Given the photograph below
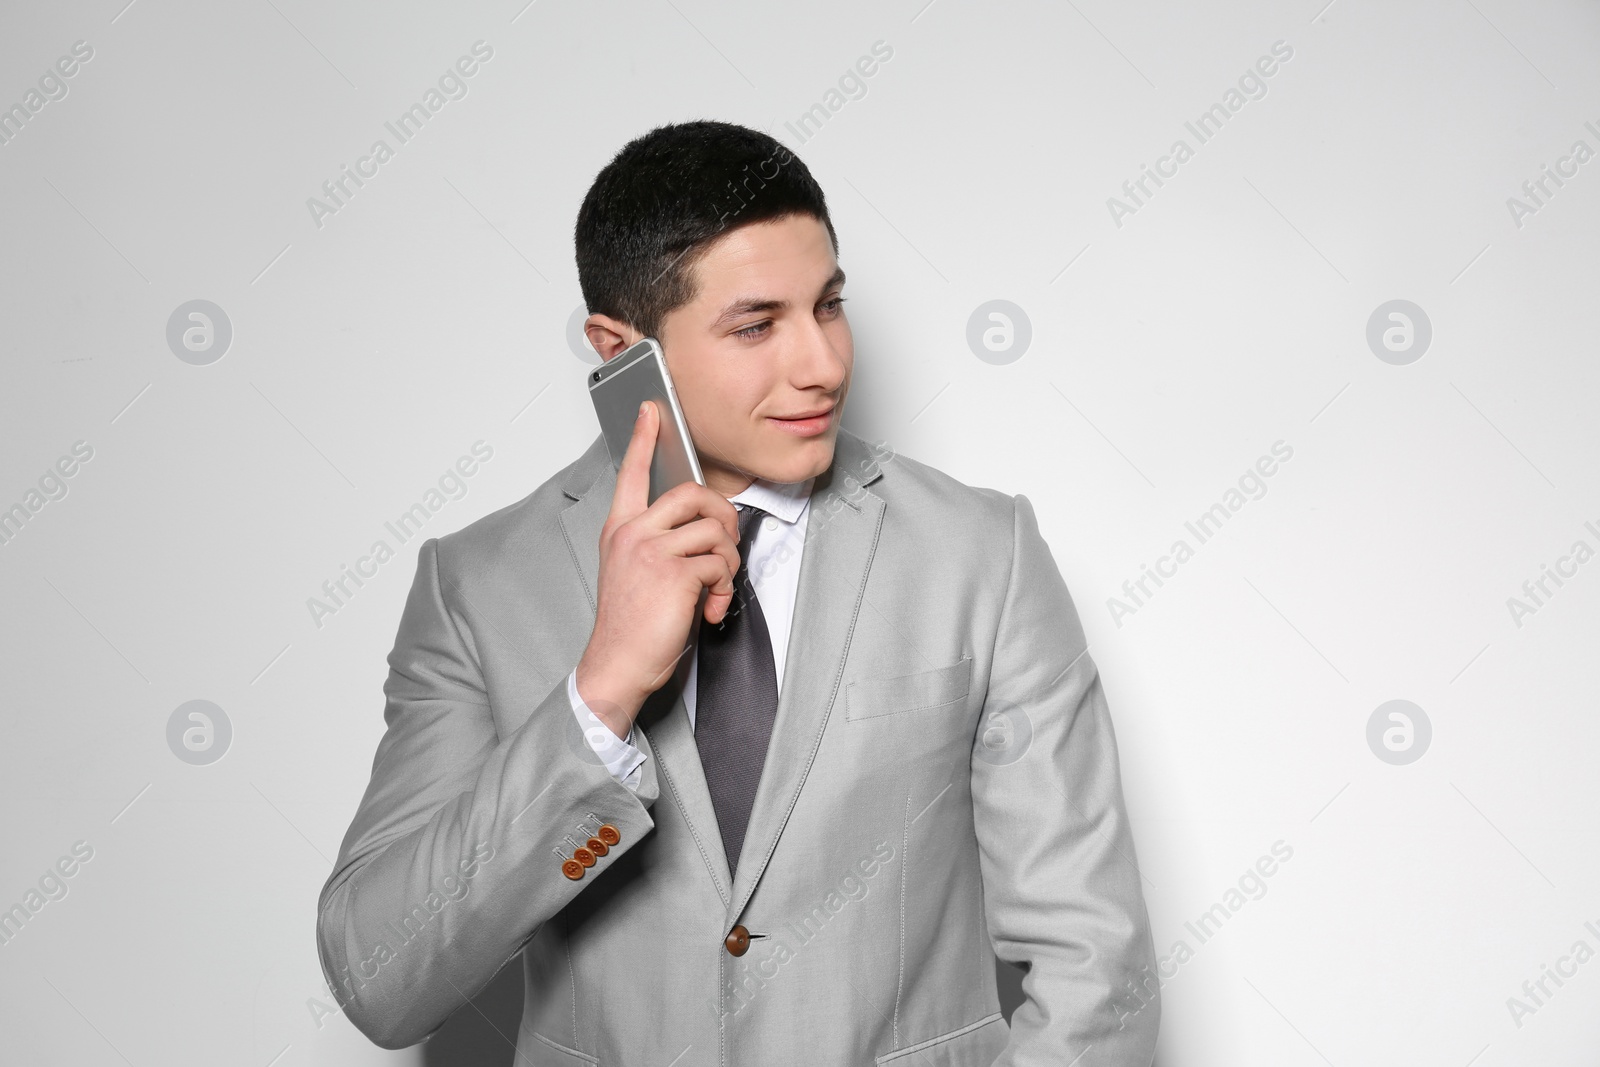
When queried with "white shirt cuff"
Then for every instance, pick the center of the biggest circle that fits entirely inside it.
(620, 756)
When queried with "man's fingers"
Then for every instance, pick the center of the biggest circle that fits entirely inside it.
(632, 494)
(711, 571)
(717, 606)
(686, 501)
(703, 535)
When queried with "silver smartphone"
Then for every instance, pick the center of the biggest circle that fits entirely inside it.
(618, 387)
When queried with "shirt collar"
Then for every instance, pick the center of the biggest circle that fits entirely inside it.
(782, 500)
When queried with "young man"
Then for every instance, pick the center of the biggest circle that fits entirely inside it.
(793, 822)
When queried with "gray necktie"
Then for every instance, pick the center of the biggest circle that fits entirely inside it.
(736, 699)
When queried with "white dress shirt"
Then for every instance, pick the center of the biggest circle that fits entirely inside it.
(774, 569)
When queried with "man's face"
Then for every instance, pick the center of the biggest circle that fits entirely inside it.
(765, 339)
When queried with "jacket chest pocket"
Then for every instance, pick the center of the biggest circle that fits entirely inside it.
(942, 687)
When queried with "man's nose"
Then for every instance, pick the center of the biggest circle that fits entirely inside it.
(816, 362)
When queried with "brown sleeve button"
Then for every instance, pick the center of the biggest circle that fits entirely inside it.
(737, 941)
(583, 856)
(597, 846)
(572, 869)
(609, 834)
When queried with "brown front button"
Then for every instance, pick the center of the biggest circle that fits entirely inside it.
(572, 869)
(609, 834)
(583, 856)
(738, 941)
(597, 846)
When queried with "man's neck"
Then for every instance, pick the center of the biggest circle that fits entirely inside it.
(730, 491)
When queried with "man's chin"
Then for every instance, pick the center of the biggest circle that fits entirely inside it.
(795, 460)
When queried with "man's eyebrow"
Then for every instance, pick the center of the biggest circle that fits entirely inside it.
(749, 305)
(746, 306)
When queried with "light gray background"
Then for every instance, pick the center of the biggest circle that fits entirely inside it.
(1167, 354)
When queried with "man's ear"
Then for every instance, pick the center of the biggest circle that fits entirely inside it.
(608, 335)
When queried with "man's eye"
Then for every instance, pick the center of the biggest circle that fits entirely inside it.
(830, 307)
(752, 331)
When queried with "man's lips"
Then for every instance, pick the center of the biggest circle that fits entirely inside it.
(805, 424)
(805, 414)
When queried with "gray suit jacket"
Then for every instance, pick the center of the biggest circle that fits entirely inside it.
(942, 787)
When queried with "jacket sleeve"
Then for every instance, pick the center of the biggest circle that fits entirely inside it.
(1061, 886)
(456, 854)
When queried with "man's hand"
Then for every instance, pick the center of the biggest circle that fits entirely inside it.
(655, 561)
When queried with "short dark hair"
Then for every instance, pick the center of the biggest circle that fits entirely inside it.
(665, 197)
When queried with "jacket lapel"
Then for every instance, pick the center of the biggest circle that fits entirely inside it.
(841, 535)
(842, 530)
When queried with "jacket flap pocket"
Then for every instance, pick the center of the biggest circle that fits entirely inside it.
(546, 1047)
(871, 697)
(973, 1043)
